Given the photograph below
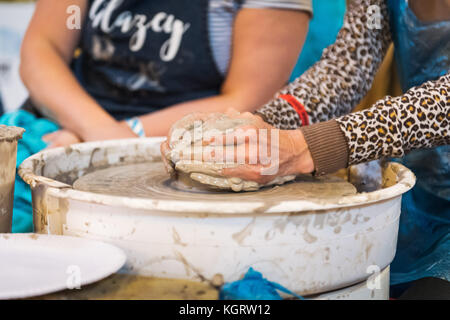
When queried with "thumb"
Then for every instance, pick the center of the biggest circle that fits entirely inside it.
(50, 136)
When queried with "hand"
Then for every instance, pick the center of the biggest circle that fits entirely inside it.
(61, 138)
(287, 151)
(185, 123)
(188, 121)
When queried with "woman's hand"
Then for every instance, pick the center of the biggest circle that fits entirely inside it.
(61, 138)
(181, 124)
(261, 151)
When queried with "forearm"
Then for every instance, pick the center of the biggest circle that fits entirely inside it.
(335, 85)
(392, 127)
(56, 91)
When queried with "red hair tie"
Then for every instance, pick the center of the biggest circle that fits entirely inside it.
(300, 108)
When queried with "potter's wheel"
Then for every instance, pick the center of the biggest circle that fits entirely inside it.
(150, 180)
(293, 234)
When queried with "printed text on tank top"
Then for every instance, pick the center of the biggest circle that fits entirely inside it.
(100, 15)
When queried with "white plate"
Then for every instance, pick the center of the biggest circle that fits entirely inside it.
(33, 265)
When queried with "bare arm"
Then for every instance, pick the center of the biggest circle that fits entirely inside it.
(266, 46)
(47, 50)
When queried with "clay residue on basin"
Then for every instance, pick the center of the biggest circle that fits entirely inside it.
(8, 151)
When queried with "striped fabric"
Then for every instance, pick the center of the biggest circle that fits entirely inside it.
(136, 126)
(221, 16)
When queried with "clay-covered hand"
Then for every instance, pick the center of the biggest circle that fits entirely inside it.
(187, 123)
(60, 138)
(260, 151)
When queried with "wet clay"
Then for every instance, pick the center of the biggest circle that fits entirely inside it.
(209, 174)
(186, 138)
(6, 206)
(150, 180)
(10, 134)
(8, 152)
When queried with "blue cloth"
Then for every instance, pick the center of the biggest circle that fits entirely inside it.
(253, 287)
(30, 144)
(423, 249)
(323, 29)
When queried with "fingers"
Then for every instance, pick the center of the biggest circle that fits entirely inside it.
(232, 112)
(246, 145)
(247, 115)
(60, 138)
(243, 153)
(249, 173)
(244, 134)
(53, 145)
(50, 136)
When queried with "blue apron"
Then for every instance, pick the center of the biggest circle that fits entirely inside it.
(422, 52)
(142, 56)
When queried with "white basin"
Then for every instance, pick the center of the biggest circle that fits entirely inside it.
(308, 246)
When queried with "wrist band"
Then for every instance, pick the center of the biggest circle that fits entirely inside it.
(136, 126)
(300, 108)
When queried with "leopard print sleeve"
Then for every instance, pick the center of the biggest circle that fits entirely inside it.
(337, 83)
(393, 126)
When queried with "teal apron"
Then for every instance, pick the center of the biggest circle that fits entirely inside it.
(422, 53)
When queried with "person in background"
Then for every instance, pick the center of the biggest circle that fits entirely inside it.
(143, 65)
(317, 135)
